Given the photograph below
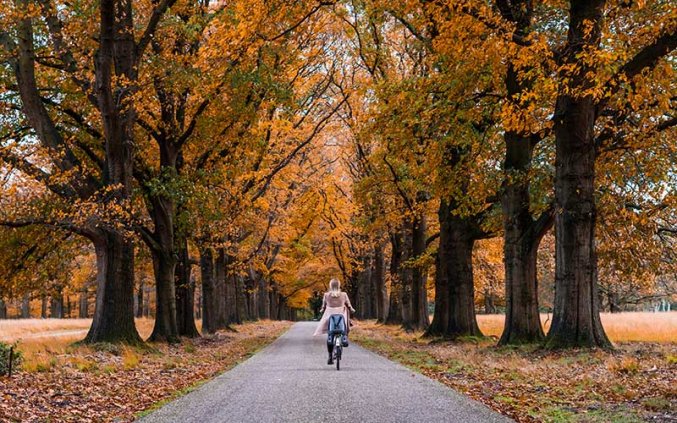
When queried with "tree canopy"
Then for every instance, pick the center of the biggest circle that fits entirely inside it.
(420, 151)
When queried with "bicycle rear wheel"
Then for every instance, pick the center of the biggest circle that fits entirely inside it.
(338, 349)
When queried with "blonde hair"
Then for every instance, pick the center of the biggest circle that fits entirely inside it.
(334, 288)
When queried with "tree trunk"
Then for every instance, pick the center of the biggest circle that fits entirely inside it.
(282, 308)
(114, 311)
(264, 298)
(576, 321)
(146, 302)
(364, 291)
(522, 235)
(419, 294)
(139, 298)
(83, 304)
(489, 305)
(454, 286)
(406, 276)
(251, 292)
(378, 284)
(26, 306)
(185, 294)
(614, 303)
(56, 305)
(166, 327)
(209, 301)
(113, 319)
(3, 309)
(231, 292)
(395, 305)
(43, 307)
(221, 278)
(274, 304)
(241, 299)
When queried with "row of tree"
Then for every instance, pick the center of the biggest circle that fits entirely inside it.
(508, 118)
(184, 125)
(275, 144)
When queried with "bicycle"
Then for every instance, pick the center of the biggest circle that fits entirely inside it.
(338, 350)
(336, 336)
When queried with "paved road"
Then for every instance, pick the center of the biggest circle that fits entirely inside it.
(289, 381)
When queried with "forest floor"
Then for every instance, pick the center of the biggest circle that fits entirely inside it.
(112, 383)
(634, 383)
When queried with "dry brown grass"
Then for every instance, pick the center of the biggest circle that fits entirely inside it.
(41, 339)
(14, 329)
(25, 329)
(620, 327)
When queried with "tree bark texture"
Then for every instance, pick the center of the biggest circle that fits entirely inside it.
(576, 321)
(454, 286)
(209, 300)
(113, 319)
(379, 285)
(185, 294)
(394, 316)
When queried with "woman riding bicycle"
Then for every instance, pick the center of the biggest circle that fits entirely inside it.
(334, 302)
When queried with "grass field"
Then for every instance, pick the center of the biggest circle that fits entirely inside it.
(620, 327)
(40, 339)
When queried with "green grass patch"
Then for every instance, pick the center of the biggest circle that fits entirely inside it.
(657, 404)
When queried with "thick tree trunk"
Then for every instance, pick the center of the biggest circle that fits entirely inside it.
(165, 328)
(113, 319)
(282, 308)
(3, 309)
(209, 300)
(522, 235)
(232, 302)
(522, 320)
(364, 291)
(379, 285)
(264, 298)
(406, 274)
(114, 311)
(454, 286)
(241, 299)
(274, 304)
(185, 294)
(220, 289)
(419, 294)
(576, 321)
(395, 304)
(252, 296)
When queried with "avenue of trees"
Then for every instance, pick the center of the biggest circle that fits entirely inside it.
(235, 155)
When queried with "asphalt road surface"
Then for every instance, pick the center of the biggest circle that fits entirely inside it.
(290, 381)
